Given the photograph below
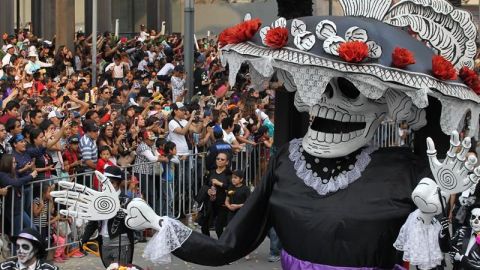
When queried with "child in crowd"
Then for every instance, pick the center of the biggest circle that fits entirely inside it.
(170, 150)
(237, 194)
(133, 191)
(103, 162)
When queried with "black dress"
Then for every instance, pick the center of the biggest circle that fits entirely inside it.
(354, 227)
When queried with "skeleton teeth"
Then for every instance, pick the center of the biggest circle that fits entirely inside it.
(359, 132)
(321, 136)
(354, 118)
(315, 110)
(338, 116)
(329, 137)
(363, 118)
(345, 137)
(330, 114)
(323, 112)
(313, 134)
(346, 118)
(353, 135)
(337, 138)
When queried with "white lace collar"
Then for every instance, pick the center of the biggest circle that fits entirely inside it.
(324, 186)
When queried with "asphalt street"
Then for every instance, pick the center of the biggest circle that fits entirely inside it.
(258, 261)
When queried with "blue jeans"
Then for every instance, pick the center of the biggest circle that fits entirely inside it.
(18, 225)
(275, 245)
(167, 199)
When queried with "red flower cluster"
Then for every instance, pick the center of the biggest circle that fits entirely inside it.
(277, 37)
(353, 51)
(240, 32)
(470, 78)
(123, 40)
(443, 69)
(402, 57)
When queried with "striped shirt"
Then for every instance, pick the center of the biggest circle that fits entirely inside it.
(42, 219)
(88, 149)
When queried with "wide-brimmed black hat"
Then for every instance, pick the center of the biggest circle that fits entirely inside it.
(305, 53)
(33, 236)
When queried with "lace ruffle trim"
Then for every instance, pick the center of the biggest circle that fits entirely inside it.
(334, 183)
(172, 236)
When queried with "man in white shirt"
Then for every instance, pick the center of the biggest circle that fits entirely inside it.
(164, 73)
(228, 136)
(178, 128)
(118, 68)
(10, 51)
(178, 84)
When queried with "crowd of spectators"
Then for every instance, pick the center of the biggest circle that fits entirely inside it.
(56, 122)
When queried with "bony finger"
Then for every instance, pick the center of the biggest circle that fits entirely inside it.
(470, 163)
(466, 144)
(432, 153)
(69, 213)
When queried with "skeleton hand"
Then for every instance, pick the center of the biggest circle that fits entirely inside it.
(141, 216)
(451, 175)
(89, 204)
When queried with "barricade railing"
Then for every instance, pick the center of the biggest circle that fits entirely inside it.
(169, 188)
(387, 135)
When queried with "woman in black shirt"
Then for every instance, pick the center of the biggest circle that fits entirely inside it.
(215, 210)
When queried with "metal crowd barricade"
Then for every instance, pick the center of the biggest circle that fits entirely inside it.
(387, 135)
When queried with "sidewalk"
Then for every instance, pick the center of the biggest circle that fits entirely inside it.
(258, 261)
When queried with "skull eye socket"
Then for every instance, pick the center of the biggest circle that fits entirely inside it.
(347, 88)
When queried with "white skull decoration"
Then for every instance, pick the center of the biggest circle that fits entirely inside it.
(344, 120)
(25, 250)
(475, 220)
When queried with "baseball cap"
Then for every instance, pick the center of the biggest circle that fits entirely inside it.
(56, 114)
(73, 139)
(148, 135)
(179, 68)
(114, 173)
(17, 138)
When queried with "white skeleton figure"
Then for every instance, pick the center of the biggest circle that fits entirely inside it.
(475, 220)
(25, 252)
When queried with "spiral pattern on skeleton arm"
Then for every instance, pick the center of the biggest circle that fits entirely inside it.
(104, 205)
(446, 178)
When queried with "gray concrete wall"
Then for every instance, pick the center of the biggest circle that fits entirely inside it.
(221, 14)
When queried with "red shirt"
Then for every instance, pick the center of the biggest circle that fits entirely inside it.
(70, 156)
(101, 168)
(4, 118)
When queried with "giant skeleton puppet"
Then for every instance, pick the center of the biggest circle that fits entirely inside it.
(333, 200)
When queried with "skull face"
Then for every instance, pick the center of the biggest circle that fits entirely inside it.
(343, 121)
(475, 220)
(25, 250)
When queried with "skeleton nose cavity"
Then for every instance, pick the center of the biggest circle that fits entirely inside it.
(347, 88)
(328, 93)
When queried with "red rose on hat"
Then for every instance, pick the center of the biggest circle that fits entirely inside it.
(443, 69)
(353, 51)
(277, 37)
(470, 78)
(402, 57)
(240, 32)
(468, 75)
